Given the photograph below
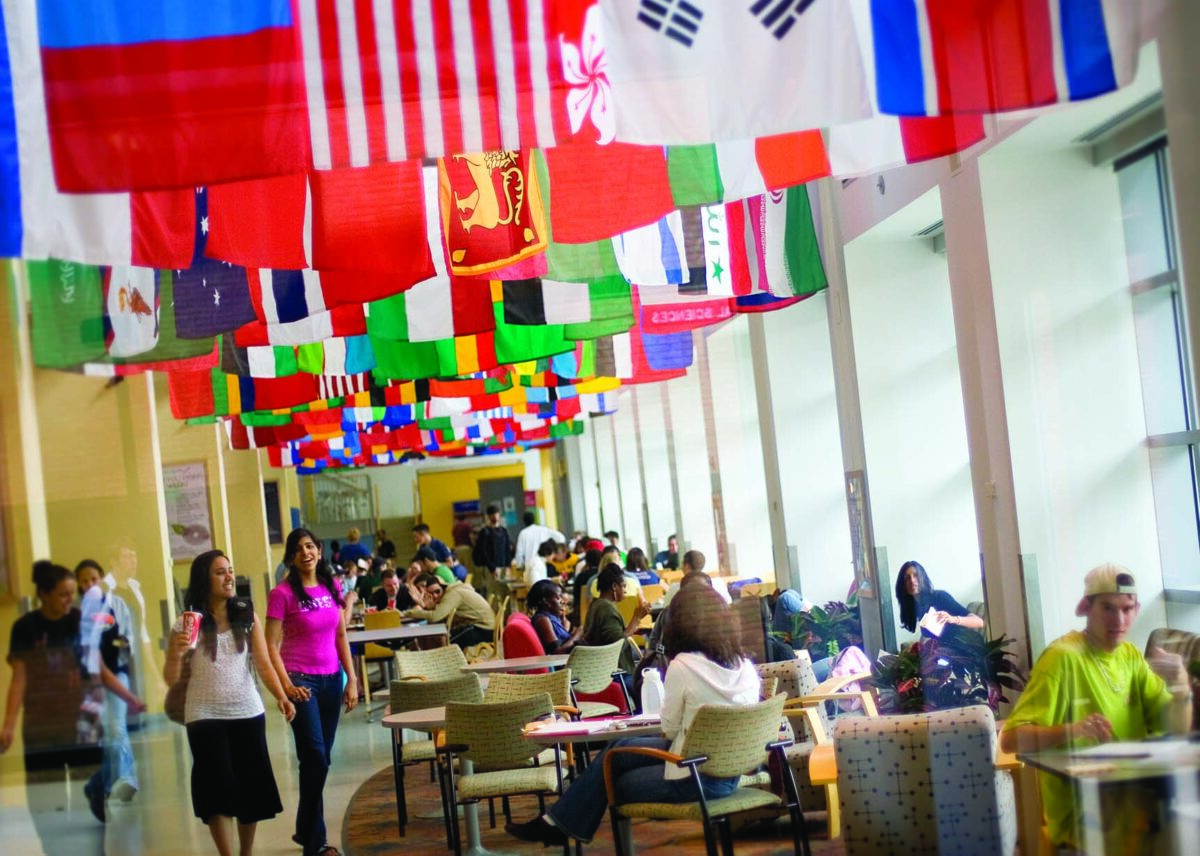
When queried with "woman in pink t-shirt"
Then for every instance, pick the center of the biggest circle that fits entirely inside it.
(306, 633)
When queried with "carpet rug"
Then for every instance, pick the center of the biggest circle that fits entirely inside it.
(369, 827)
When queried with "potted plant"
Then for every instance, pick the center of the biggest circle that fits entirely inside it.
(825, 631)
(952, 671)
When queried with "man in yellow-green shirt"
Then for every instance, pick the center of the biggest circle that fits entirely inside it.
(1093, 687)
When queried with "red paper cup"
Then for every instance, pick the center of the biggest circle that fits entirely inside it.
(191, 626)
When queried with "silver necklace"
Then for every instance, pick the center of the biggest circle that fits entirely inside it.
(1113, 685)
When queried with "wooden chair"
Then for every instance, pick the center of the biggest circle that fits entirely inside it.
(654, 592)
(668, 578)
(380, 655)
(491, 737)
(722, 741)
(417, 694)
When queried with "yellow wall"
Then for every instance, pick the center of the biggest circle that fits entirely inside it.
(289, 498)
(548, 496)
(438, 490)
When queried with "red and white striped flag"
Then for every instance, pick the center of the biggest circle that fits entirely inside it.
(392, 80)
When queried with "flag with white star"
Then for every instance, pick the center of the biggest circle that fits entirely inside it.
(211, 296)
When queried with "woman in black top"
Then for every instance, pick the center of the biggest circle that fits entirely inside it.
(917, 596)
(48, 681)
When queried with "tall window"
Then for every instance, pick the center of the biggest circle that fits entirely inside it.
(1163, 352)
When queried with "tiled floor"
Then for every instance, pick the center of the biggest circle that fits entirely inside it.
(159, 820)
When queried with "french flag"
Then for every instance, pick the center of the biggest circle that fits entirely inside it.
(935, 57)
(145, 95)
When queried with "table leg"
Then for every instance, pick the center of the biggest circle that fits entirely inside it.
(471, 816)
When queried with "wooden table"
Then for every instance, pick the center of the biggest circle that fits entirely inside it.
(518, 664)
(389, 634)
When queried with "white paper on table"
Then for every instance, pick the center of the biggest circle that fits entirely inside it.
(1163, 750)
(931, 624)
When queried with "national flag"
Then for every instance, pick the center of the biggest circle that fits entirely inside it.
(291, 309)
(39, 222)
(438, 308)
(538, 302)
(773, 245)
(693, 71)
(412, 79)
(169, 352)
(130, 310)
(491, 210)
(516, 343)
(142, 96)
(882, 142)
(368, 219)
(67, 309)
(941, 58)
(443, 358)
(211, 297)
(600, 191)
(259, 360)
(654, 254)
(215, 393)
(350, 355)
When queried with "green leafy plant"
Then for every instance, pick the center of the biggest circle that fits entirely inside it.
(956, 670)
(826, 630)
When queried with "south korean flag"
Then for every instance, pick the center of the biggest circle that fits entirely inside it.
(699, 71)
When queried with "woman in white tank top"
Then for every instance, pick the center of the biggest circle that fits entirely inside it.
(226, 721)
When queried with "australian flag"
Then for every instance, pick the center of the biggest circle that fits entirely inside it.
(211, 296)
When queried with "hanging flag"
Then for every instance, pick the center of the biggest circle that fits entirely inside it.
(773, 245)
(130, 310)
(211, 297)
(540, 302)
(409, 79)
(600, 191)
(338, 356)
(941, 58)
(139, 98)
(491, 210)
(66, 303)
(258, 361)
(693, 71)
(369, 219)
(654, 254)
(439, 308)
(39, 222)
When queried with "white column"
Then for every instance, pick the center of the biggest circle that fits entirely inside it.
(785, 575)
(983, 404)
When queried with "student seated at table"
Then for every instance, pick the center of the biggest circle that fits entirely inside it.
(1092, 687)
(605, 624)
(707, 666)
(545, 604)
(637, 564)
(563, 562)
(474, 621)
(390, 594)
(432, 565)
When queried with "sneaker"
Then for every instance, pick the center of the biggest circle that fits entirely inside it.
(124, 790)
(95, 798)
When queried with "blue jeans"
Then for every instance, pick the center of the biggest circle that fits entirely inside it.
(313, 730)
(118, 753)
(638, 779)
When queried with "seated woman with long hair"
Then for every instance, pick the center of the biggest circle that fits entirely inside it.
(707, 666)
(916, 596)
(549, 616)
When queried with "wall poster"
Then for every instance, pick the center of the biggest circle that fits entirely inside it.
(189, 521)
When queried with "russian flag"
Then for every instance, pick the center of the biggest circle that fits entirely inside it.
(144, 95)
(935, 57)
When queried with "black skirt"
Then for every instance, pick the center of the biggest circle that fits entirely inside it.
(231, 770)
